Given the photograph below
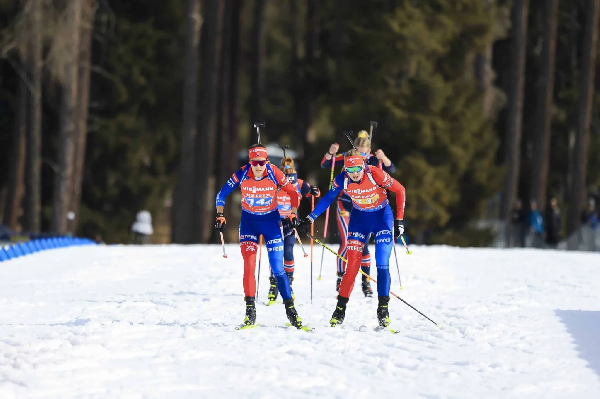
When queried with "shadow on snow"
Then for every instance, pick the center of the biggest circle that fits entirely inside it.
(584, 327)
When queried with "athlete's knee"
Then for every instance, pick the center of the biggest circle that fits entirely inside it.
(288, 265)
(248, 248)
(278, 273)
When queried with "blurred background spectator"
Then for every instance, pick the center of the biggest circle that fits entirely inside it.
(142, 229)
(535, 226)
(553, 224)
(518, 222)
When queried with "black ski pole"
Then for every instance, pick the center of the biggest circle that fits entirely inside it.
(257, 126)
(397, 267)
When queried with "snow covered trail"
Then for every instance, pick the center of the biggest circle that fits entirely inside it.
(159, 322)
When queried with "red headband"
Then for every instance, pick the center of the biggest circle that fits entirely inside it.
(354, 160)
(257, 152)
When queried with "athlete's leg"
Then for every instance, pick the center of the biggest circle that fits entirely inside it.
(365, 264)
(273, 233)
(288, 250)
(358, 231)
(384, 241)
(249, 246)
(342, 217)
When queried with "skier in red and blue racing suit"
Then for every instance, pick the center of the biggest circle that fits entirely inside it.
(259, 182)
(371, 214)
(344, 204)
(284, 205)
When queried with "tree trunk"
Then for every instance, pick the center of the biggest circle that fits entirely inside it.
(234, 99)
(484, 74)
(586, 92)
(222, 170)
(85, 68)
(515, 107)
(68, 120)
(309, 75)
(16, 183)
(205, 143)
(297, 92)
(33, 171)
(257, 75)
(183, 204)
(545, 97)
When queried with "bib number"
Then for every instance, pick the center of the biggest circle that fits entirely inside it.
(259, 201)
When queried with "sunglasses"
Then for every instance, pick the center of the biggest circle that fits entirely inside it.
(256, 163)
(354, 169)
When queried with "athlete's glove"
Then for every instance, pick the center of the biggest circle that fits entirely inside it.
(398, 228)
(315, 192)
(220, 222)
(304, 225)
(291, 222)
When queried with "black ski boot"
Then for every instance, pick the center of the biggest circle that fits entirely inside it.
(250, 311)
(339, 281)
(290, 276)
(383, 314)
(291, 313)
(273, 291)
(366, 287)
(339, 314)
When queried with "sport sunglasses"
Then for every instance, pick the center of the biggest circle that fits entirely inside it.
(354, 169)
(256, 163)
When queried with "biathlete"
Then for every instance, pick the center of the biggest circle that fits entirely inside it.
(259, 182)
(284, 205)
(371, 214)
(344, 204)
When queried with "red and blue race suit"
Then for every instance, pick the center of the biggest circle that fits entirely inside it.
(371, 214)
(343, 207)
(261, 216)
(284, 204)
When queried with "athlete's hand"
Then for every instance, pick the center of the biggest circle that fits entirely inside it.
(398, 228)
(333, 149)
(315, 192)
(304, 225)
(291, 221)
(220, 222)
(380, 155)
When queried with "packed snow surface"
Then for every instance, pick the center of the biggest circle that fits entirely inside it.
(159, 322)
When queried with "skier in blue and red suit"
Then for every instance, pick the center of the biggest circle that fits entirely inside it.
(284, 204)
(344, 204)
(371, 214)
(259, 181)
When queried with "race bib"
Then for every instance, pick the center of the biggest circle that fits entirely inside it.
(259, 201)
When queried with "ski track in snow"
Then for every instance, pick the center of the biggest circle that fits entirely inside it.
(159, 322)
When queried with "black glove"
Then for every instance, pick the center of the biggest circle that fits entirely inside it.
(220, 222)
(290, 222)
(315, 192)
(398, 228)
(304, 225)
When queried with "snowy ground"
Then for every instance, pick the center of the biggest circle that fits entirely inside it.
(158, 322)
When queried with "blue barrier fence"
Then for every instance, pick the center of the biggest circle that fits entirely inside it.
(42, 244)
